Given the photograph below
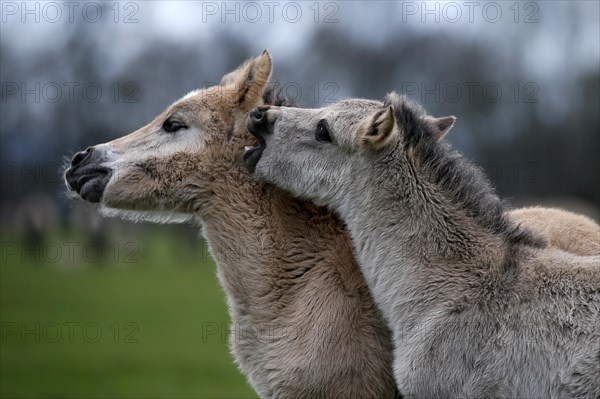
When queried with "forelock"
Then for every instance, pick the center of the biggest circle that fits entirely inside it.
(409, 118)
(273, 96)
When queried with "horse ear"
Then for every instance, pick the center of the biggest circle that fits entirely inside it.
(440, 126)
(379, 129)
(246, 85)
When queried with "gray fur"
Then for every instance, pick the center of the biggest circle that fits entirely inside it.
(478, 306)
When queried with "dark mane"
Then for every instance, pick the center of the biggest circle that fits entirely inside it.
(275, 96)
(462, 180)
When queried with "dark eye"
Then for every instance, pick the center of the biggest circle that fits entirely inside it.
(171, 125)
(322, 133)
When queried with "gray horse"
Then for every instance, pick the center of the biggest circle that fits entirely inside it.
(478, 306)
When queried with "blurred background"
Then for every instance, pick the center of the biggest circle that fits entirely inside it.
(94, 307)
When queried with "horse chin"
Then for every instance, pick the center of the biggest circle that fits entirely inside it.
(93, 189)
(152, 216)
(89, 182)
(251, 157)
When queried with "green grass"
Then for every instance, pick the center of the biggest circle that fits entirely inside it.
(166, 297)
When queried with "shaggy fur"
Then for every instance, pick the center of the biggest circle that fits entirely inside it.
(304, 323)
(460, 180)
(478, 305)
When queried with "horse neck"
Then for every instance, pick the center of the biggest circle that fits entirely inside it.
(410, 237)
(237, 226)
(254, 232)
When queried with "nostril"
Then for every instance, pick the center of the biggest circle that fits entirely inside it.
(256, 114)
(81, 156)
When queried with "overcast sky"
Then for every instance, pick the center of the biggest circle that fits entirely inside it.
(284, 27)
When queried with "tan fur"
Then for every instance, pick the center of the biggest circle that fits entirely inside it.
(564, 230)
(304, 323)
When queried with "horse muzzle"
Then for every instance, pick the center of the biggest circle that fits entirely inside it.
(86, 174)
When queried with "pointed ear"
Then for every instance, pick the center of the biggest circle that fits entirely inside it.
(246, 85)
(393, 99)
(378, 129)
(440, 126)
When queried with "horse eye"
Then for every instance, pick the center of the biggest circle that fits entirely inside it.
(172, 125)
(322, 132)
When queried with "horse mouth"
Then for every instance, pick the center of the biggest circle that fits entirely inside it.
(88, 181)
(252, 155)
